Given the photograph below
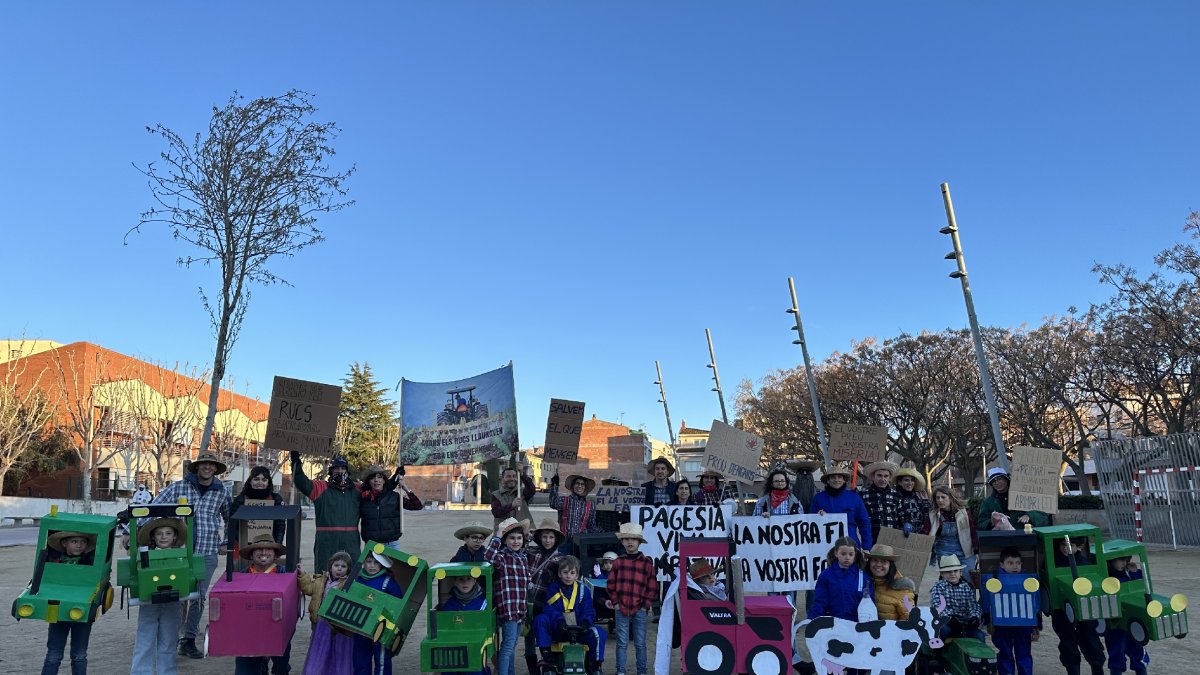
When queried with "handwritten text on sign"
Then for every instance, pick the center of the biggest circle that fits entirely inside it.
(1034, 480)
(733, 452)
(615, 497)
(303, 415)
(785, 553)
(563, 428)
(857, 443)
(662, 526)
(913, 550)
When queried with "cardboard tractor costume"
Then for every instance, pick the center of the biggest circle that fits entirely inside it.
(361, 609)
(255, 614)
(1009, 599)
(78, 591)
(1145, 615)
(159, 575)
(458, 641)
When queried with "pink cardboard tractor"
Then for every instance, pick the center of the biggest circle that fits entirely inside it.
(743, 635)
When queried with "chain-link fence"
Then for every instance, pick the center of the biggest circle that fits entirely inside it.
(1170, 501)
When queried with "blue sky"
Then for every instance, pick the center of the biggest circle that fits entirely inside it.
(584, 187)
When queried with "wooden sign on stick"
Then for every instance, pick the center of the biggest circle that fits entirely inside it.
(1034, 479)
(914, 551)
(733, 453)
(303, 416)
(857, 442)
(563, 429)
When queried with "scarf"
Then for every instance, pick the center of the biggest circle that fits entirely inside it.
(708, 488)
(340, 481)
(251, 493)
(779, 496)
(833, 492)
(466, 598)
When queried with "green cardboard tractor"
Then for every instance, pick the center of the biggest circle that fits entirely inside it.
(384, 618)
(458, 640)
(1144, 615)
(1084, 591)
(77, 593)
(161, 575)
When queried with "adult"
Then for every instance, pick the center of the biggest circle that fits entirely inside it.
(259, 488)
(713, 489)
(997, 502)
(210, 503)
(512, 499)
(660, 488)
(777, 499)
(683, 493)
(892, 589)
(805, 486)
(576, 513)
(379, 508)
(914, 507)
(881, 498)
(835, 498)
(336, 504)
(952, 527)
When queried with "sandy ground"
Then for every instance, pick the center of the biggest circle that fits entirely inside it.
(428, 535)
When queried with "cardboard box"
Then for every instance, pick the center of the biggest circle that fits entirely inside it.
(252, 615)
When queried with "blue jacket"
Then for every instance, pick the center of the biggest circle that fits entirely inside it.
(585, 612)
(839, 591)
(453, 604)
(382, 582)
(858, 523)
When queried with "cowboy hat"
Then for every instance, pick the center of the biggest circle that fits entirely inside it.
(508, 525)
(470, 529)
(371, 471)
(591, 484)
(870, 469)
(614, 480)
(995, 473)
(700, 568)
(208, 457)
(661, 460)
(949, 563)
(262, 541)
(145, 532)
(712, 473)
(548, 525)
(803, 464)
(54, 541)
(839, 469)
(882, 552)
(911, 473)
(609, 556)
(630, 531)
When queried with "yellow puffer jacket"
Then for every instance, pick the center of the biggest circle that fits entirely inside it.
(314, 585)
(890, 601)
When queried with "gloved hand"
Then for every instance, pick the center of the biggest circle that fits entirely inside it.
(554, 480)
(907, 529)
(295, 457)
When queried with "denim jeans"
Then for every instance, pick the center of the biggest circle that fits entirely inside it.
(639, 640)
(506, 659)
(56, 644)
(157, 630)
(194, 608)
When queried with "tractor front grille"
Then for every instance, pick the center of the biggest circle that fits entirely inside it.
(1172, 625)
(348, 612)
(445, 658)
(1015, 606)
(1099, 607)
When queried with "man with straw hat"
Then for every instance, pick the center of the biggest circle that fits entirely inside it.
(835, 498)
(914, 507)
(577, 514)
(881, 498)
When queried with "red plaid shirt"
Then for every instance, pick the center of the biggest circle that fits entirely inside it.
(632, 583)
(510, 580)
(547, 563)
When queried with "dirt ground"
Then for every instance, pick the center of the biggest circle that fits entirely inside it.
(428, 536)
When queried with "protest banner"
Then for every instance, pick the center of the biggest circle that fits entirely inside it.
(914, 551)
(1034, 479)
(857, 443)
(249, 530)
(563, 428)
(733, 453)
(662, 526)
(303, 416)
(459, 422)
(785, 553)
(614, 497)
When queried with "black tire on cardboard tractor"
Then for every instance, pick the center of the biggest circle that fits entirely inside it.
(708, 654)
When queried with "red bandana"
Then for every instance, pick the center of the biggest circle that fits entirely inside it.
(778, 497)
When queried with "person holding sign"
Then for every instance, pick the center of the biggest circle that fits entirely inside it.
(512, 499)
(259, 490)
(576, 514)
(881, 498)
(336, 504)
(660, 490)
(777, 499)
(997, 502)
(894, 593)
(379, 507)
(835, 498)
(683, 494)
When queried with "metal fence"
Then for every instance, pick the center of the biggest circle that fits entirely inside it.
(1170, 502)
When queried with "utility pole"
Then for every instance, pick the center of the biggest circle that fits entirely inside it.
(822, 439)
(712, 363)
(662, 394)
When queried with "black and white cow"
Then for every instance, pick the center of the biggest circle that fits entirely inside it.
(881, 647)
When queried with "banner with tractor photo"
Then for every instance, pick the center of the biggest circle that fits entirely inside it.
(459, 422)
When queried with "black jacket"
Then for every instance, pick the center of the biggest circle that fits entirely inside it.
(379, 516)
(465, 556)
(649, 498)
(233, 527)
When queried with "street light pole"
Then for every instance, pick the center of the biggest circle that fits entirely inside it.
(662, 394)
(961, 274)
(822, 439)
(712, 363)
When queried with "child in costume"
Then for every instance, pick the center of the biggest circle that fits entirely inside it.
(962, 608)
(465, 596)
(69, 548)
(1121, 647)
(330, 652)
(600, 595)
(632, 590)
(1015, 643)
(1079, 638)
(263, 554)
(154, 648)
(473, 536)
(705, 575)
(510, 588)
(370, 657)
(569, 604)
(544, 555)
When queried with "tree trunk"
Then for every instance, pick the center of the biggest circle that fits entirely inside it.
(85, 474)
(218, 374)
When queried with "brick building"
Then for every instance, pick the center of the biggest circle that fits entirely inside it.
(612, 449)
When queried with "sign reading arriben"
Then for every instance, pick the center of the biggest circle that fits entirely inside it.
(733, 452)
(303, 416)
(563, 429)
(1034, 479)
(857, 443)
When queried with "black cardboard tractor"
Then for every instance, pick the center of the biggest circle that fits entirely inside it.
(459, 409)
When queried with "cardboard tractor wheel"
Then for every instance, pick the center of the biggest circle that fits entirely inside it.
(78, 592)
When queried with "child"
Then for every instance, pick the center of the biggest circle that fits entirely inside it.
(1081, 637)
(843, 585)
(894, 593)
(465, 596)
(1013, 642)
(569, 604)
(69, 548)
(705, 576)
(632, 589)
(600, 595)
(154, 648)
(543, 555)
(330, 653)
(962, 608)
(371, 658)
(258, 487)
(510, 583)
(263, 554)
(1120, 645)
(473, 537)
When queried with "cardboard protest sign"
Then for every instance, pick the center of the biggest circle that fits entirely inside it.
(460, 422)
(249, 530)
(1034, 479)
(614, 497)
(785, 553)
(857, 443)
(733, 452)
(662, 526)
(563, 429)
(303, 416)
(914, 551)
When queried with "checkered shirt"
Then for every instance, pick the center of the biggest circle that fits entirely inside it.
(510, 581)
(883, 506)
(715, 497)
(543, 571)
(914, 510)
(632, 583)
(960, 599)
(575, 514)
(211, 511)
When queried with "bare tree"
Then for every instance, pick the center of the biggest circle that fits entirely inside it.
(170, 414)
(24, 413)
(247, 193)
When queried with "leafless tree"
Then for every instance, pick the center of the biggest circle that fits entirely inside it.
(170, 414)
(25, 411)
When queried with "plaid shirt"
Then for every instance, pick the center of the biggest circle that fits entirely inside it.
(960, 599)
(510, 581)
(632, 583)
(543, 571)
(715, 497)
(575, 514)
(914, 510)
(211, 510)
(883, 506)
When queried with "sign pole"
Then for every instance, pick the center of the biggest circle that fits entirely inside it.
(662, 392)
(712, 363)
(822, 439)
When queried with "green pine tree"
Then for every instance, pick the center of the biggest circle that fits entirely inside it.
(367, 424)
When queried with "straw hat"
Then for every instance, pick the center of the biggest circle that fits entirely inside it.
(799, 465)
(911, 473)
(146, 532)
(54, 541)
(609, 556)
(630, 531)
(949, 563)
(548, 525)
(710, 473)
(262, 541)
(870, 469)
(471, 528)
(371, 471)
(838, 469)
(700, 568)
(508, 525)
(661, 460)
(208, 457)
(882, 552)
(591, 484)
